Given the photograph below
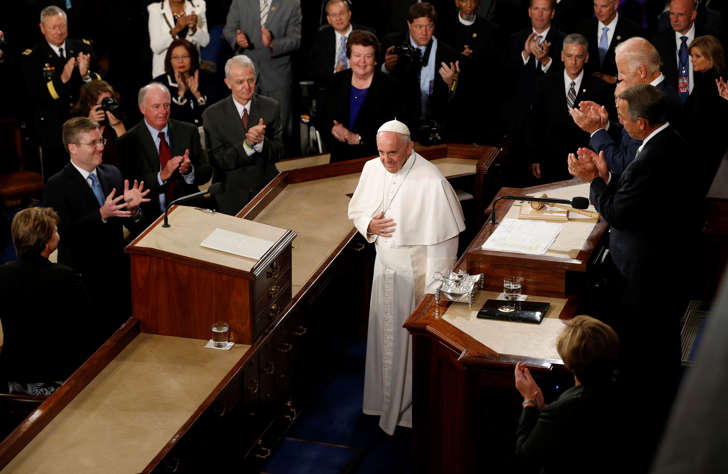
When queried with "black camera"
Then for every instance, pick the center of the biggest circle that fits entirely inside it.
(109, 104)
(408, 52)
(429, 133)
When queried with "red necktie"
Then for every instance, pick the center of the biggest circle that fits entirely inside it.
(245, 119)
(165, 154)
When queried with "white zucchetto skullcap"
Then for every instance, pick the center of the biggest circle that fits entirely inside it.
(394, 126)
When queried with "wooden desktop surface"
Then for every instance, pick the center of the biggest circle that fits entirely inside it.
(506, 337)
(317, 211)
(131, 410)
(188, 229)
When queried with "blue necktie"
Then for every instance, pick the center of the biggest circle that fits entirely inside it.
(683, 69)
(603, 44)
(96, 188)
(341, 58)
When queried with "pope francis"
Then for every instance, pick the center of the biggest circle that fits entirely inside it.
(409, 210)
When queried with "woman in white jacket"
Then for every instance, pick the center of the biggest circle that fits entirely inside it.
(172, 19)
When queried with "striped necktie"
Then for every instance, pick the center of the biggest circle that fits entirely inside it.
(571, 96)
(264, 10)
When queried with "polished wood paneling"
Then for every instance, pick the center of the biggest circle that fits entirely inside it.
(180, 299)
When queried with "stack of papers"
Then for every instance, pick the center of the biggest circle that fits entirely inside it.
(523, 236)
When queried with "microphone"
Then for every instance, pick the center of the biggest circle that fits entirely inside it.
(576, 203)
(212, 190)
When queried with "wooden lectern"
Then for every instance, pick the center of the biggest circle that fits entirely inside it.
(180, 288)
(465, 407)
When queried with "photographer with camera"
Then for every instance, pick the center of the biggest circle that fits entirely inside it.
(99, 102)
(426, 71)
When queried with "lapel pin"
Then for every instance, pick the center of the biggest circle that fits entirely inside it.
(475, 35)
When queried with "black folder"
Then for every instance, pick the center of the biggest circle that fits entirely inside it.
(517, 311)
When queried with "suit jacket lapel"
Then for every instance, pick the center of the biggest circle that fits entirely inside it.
(255, 113)
(174, 139)
(151, 154)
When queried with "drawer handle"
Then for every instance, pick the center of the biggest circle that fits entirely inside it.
(173, 465)
(274, 270)
(219, 409)
(358, 247)
(300, 331)
(273, 291)
(253, 386)
(273, 311)
(285, 347)
(270, 368)
(263, 452)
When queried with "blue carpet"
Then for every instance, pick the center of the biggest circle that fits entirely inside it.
(303, 457)
(334, 417)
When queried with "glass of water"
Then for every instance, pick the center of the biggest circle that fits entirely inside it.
(512, 287)
(220, 334)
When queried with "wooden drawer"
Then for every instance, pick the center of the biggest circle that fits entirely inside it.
(271, 310)
(269, 275)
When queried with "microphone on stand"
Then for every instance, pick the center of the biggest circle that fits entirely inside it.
(212, 190)
(576, 203)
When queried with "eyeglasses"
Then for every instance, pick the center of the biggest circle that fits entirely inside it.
(95, 143)
(179, 58)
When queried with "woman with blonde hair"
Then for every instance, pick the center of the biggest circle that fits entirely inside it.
(575, 432)
(704, 110)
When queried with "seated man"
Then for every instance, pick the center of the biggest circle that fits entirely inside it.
(553, 133)
(164, 153)
(425, 69)
(46, 311)
(93, 204)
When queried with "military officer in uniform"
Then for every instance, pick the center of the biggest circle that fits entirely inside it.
(54, 71)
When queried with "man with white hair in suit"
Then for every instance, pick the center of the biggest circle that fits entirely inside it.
(409, 210)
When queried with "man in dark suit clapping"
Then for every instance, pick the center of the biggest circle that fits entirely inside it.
(166, 154)
(93, 204)
(243, 134)
(552, 131)
(647, 254)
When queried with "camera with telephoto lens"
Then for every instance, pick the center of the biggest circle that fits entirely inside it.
(109, 104)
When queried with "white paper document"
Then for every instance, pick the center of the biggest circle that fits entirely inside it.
(237, 244)
(523, 236)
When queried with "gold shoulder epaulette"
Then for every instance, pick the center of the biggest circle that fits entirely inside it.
(27, 52)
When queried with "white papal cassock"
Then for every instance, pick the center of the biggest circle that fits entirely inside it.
(429, 218)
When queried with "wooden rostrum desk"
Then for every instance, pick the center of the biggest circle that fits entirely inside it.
(466, 407)
(230, 411)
